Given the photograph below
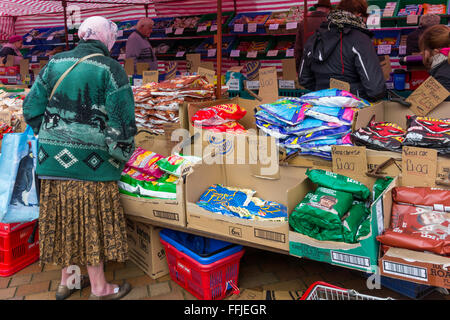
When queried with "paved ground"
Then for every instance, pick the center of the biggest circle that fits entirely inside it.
(259, 270)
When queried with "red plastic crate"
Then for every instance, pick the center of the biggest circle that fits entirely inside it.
(15, 251)
(213, 281)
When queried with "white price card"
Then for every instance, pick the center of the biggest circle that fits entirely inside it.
(402, 50)
(238, 27)
(179, 31)
(28, 39)
(212, 52)
(289, 52)
(235, 53)
(291, 25)
(34, 59)
(233, 85)
(272, 53)
(120, 33)
(252, 85)
(252, 54)
(180, 54)
(201, 28)
(50, 38)
(373, 21)
(286, 84)
(252, 27)
(70, 37)
(273, 26)
(169, 30)
(384, 49)
(214, 27)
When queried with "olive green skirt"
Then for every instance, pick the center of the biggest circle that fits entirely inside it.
(81, 223)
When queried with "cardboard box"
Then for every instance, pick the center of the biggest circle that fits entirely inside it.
(396, 113)
(172, 212)
(361, 256)
(145, 248)
(419, 267)
(285, 190)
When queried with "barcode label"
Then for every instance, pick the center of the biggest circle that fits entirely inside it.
(405, 270)
(166, 215)
(350, 259)
(270, 235)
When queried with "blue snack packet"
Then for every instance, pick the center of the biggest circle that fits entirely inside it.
(290, 112)
(272, 130)
(335, 98)
(309, 125)
(318, 135)
(343, 116)
(267, 117)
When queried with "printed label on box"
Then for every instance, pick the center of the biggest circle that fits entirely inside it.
(235, 232)
(405, 270)
(350, 259)
(166, 215)
(270, 235)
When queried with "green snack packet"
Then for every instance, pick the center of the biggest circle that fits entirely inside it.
(338, 182)
(364, 229)
(326, 207)
(351, 224)
(379, 186)
(176, 164)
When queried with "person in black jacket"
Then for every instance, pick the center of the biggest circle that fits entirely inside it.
(435, 47)
(342, 49)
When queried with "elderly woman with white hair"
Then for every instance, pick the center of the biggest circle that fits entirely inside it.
(81, 106)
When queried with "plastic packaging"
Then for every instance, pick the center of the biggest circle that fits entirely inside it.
(338, 182)
(380, 136)
(145, 162)
(290, 112)
(427, 132)
(335, 98)
(343, 116)
(218, 115)
(174, 164)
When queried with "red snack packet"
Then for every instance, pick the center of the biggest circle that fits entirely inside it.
(436, 199)
(217, 115)
(232, 127)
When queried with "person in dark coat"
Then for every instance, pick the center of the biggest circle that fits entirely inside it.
(314, 20)
(412, 41)
(435, 47)
(342, 49)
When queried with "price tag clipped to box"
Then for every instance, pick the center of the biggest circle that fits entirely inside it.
(419, 166)
(252, 54)
(179, 31)
(50, 38)
(239, 27)
(268, 85)
(427, 96)
(350, 161)
(289, 52)
(252, 27)
(150, 76)
(272, 53)
(212, 52)
(384, 49)
(201, 28)
(252, 85)
(169, 30)
(291, 25)
(273, 26)
(213, 28)
(338, 84)
(28, 39)
(235, 53)
(180, 54)
(412, 19)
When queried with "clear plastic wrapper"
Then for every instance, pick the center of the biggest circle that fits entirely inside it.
(343, 116)
(288, 111)
(335, 98)
(383, 136)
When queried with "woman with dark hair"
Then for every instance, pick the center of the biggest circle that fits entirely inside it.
(342, 49)
(435, 46)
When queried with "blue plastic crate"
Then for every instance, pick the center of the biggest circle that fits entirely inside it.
(203, 250)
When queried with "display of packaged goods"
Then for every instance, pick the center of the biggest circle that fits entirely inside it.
(185, 22)
(246, 19)
(420, 220)
(220, 118)
(383, 136)
(252, 45)
(337, 210)
(241, 203)
(411, 9)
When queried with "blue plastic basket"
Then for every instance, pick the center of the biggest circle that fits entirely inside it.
(203, 250)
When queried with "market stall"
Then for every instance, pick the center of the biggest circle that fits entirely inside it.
(302, 176)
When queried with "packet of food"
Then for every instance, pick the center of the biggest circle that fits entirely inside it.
(229, 127)
(380, 136)
(428, 132)
(278, 132)
(343, 116)
(326, 208)
(145, 161)
(353, 220)
(431, 198)
(379, 186)
(218, 115)
(288, 111)
(335, 98)
(177, 165)
(337, 132)
(338, 182)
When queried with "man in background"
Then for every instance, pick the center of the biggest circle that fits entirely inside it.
(314, 20)
(138, 45)
(412, 41)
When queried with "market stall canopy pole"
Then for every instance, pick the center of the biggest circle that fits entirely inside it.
(66, 30)
(219, 49)
(305, 18)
